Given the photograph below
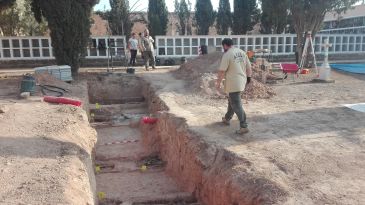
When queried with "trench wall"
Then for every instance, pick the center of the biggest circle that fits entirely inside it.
(207, 170)
(115, 88)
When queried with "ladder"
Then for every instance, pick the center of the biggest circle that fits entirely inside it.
(308, 50)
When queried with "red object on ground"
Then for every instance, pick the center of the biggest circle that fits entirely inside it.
(61, 100)
(289, 68)
(305, 71)
(149, 120)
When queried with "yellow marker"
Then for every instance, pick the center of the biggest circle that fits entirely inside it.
(97, 169)
(144, 168)
(97, 106)
(101, 195)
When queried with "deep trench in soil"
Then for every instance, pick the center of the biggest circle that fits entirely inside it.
(125, 174)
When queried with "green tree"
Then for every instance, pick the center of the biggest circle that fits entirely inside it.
(69, 22)
(275, 16)
(157, 17)
(308, 15)
(28, 25)
(9, 21)
(4, 4)
(19, 20)
(183, 11)
(119, 17)
(204, 16)
(121, 11)
(245, 16)
(224, 17)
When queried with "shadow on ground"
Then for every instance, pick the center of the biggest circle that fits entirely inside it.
(322, 122)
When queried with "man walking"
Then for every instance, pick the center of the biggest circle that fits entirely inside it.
(147, 48)
(133, 48)
(235, 68)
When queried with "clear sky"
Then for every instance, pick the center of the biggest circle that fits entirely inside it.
(143, 4)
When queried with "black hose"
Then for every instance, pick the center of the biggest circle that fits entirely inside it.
(58, 90)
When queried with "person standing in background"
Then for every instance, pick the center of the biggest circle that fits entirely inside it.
(133, 48)
(147, 48)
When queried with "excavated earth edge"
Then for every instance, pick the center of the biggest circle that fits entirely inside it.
(215, 175)
(46, 151)
(48, 159)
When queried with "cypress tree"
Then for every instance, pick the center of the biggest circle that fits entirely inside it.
(204, 16)
(275, 16)
(157, 17)
(244, 15)
(183, 12)
(69, 23)
(224, 17)
(119, 21)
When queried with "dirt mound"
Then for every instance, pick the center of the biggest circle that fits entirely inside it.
(201, 75)
(46, 155)
(76, 89)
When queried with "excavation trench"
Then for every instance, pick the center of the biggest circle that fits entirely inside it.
(126, 172)
(166, 162)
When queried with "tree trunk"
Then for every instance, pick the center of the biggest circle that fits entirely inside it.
(300, 41)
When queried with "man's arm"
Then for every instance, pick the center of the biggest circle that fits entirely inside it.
(140, 45)
(129, 45)
(222, 70)
(248, 69)
(143, 48)
(220, 78)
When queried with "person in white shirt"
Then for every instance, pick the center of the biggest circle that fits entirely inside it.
(133, 48)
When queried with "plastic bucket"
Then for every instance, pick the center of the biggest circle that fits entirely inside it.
(28, 84)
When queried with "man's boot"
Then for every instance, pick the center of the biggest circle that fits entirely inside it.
(242, 131)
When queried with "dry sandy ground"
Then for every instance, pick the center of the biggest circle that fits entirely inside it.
(303, 139)
(45, 151)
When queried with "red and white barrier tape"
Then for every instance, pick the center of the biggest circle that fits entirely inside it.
(120, 142)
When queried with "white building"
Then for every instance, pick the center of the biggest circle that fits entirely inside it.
(350, 22)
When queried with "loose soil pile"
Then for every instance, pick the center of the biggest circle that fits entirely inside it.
(200, 74)
(45, 154)
(76, 89)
